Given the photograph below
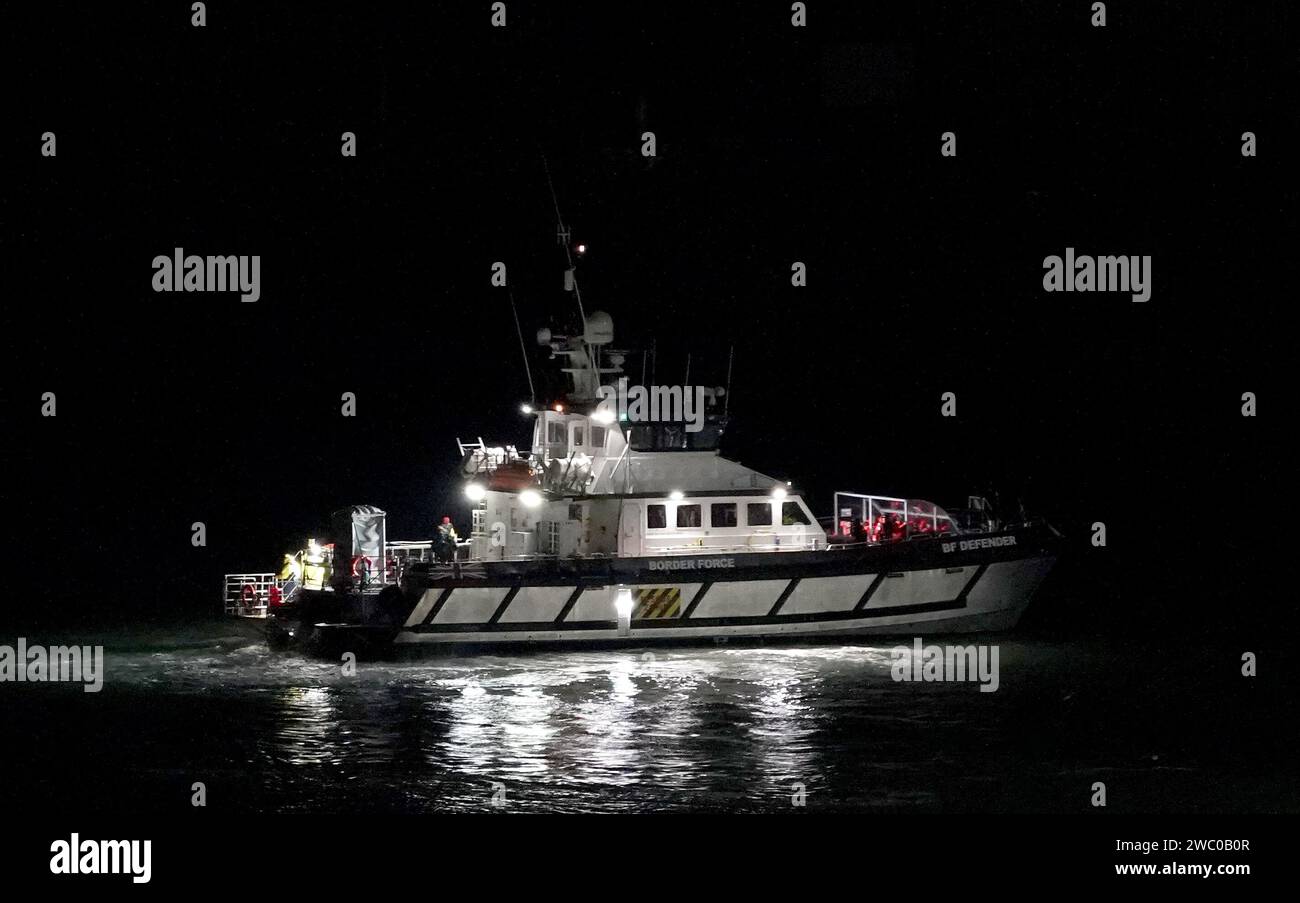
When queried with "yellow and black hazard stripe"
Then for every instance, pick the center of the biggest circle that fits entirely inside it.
(656, 602)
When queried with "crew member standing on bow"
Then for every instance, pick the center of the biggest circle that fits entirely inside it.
(444, 543)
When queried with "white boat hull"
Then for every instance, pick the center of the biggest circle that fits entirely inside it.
(957, 585)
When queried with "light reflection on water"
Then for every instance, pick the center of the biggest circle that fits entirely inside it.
(715, 728)
(684, 727)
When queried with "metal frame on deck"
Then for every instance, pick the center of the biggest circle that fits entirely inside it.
(234, 598)
(869, 507)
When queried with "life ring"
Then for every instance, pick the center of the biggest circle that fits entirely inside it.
(248, 596)
(369, 566)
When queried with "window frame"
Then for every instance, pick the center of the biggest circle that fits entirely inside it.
(663, 513)
(699, 516)
(803, 515)
(735, 515)
(750, 506)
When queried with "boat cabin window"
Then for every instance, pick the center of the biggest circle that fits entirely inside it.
(575, 512)
(598, 437)
(675, 437)
(688, 515)
(577, 436)
(792, 513)
(722, 514)
(758, 514)
(555, 432)
(655, 518)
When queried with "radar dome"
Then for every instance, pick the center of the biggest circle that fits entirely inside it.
(600, 328)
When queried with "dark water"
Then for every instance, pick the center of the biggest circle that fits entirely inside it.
(701, 728)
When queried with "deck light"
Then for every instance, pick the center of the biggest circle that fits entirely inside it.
(475, 492)
(602, 415)
(559, 408)
(676, 495)
(778, 493)
(531, 498)
(623, 603)
(526, 408)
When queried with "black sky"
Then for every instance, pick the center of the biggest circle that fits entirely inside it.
(774, 145)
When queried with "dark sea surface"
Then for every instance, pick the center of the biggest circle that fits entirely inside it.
(1169, 727)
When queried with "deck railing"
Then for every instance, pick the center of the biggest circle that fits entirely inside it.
(248, 595)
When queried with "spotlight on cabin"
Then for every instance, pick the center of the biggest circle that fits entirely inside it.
(676, 495)
(603, 416)
(779, 493)
(531, 498)
(475, 492)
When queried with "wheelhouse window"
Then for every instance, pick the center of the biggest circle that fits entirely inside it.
(792, 513)
(655, 519)
(578, 436)
(662, 436)
(598, 437)
(722, 514)
(555, 432)
(758, 514)
(688, 515)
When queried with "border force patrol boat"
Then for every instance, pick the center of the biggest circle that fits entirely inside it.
(614, 530)
(615, 526)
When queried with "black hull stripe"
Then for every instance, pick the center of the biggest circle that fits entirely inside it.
(505, 603)
(568, 605)
(695, 603)
(871, 591)
(437, 606)
(979, 572)
(785, 594)
(815, 617)
(773, 571)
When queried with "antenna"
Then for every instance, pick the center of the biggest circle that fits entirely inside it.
(561, 231)
(532, 393)
(726, 401)
(687, 380)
